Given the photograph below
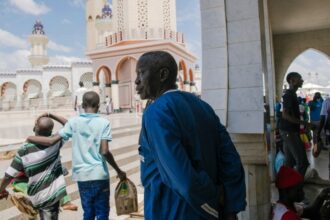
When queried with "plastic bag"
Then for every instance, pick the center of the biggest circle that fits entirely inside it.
(126, 197)
(23, 204)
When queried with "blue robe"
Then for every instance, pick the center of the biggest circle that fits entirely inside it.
(186, 153)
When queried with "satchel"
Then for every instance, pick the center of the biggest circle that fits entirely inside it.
(126, 197)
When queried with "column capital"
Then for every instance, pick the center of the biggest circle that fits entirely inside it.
(96, 83)
(115, 82)
(186, 82)
(108, 85)
(192, 83)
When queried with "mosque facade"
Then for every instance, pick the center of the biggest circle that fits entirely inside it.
(117, 36)
(43, 85)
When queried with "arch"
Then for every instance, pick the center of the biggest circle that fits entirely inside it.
(125, 74)
(191, 75)
(281, 75)
(98, 16)
(90, 18)
(183, 67)
(32, 88)
(58, 86)
(121, 62)
(107, 73)
(8, 91)
(87, 79)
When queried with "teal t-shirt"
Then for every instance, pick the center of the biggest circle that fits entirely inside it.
(87, 130)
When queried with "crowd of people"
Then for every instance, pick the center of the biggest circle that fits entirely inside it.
(300, 126)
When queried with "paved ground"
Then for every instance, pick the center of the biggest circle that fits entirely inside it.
(126, 127)
(16, 126)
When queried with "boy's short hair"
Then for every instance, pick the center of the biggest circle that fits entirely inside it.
(91, 99)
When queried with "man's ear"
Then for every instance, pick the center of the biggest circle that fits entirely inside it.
(164, 74)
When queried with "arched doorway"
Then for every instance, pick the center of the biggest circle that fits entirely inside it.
(125, 74)
(87, 79)
(8, 95)
(313, 65)
(59, 93)
(103, 79)
(32, 89)
(59, 87)
(183, 75)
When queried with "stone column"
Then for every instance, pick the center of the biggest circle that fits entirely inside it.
(192, 87)
(107, 89)
(19, 101)
(186, 86)
(96, 87)
(233, 64)
(178, 83)
(115, 95)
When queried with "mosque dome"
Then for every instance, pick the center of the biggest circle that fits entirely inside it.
(106, 11)
(38, 28)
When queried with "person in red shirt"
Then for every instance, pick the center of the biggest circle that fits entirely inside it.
(289, 183)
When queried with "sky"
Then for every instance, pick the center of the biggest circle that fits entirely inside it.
(64, 24)
(314, 67)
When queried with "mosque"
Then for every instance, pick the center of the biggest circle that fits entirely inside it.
(116, 37)
(43, 85)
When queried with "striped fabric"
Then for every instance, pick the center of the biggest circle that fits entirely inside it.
(42, 166)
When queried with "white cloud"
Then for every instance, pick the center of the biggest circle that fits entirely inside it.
(59, 59)
(14, 60)
(30, 6)
(58, 47)
(78, 3)
(66, 21)
(8, 39)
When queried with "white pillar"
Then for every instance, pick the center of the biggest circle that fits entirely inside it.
(186, 86)
(115, 96)
(193, 87)
(96, 87)
(107, 90)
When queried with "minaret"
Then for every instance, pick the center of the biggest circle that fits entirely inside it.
(104, 25)
(38, 41)
(93, 12)
(140, 16)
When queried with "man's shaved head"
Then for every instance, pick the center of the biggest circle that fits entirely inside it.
(44, 126)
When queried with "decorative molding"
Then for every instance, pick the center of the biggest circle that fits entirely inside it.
(167, 15)
(143, 14)
(120, 15)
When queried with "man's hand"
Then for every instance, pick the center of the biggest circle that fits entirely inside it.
(121, 175)
(4, 194)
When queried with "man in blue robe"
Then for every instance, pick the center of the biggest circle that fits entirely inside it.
(190, 168)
